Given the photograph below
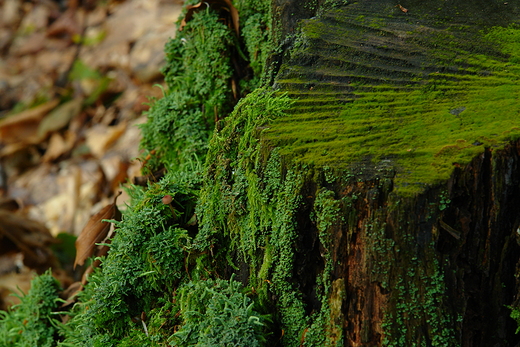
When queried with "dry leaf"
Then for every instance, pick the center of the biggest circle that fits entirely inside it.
(100, 253)
(116, 171)
(100, 138)
(14, 283)
(11, 262)
(17, 157)
(9, 204)
(23, 126)
(59, 117)
(59, 145)
(217, 5)
(94, 232)
(67, 24)
(33, 44)
(31, 238)
(69, 294)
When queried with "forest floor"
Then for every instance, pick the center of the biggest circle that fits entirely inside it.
(75, 80)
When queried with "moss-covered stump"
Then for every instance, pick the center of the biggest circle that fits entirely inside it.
(380, 205)
(370, 199)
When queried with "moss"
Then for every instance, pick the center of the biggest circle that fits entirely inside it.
(282, 176)
(146, 258)
(34, 321)
(218, 313)
(198, 73)
(248, 212)
(428, 114)
(255, 209)
(140, 295)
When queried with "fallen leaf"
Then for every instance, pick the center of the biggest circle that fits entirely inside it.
(116, 170)
(66, 24)
(59, 145)
(14, 283)
(18, 233)
(214, 4)
(11, 262)
(94, 232)
(69, 294)
(11, 11)
(100, 138)
(23, 126)
(33, 44)
(17, 157)
(9, 204)
(59, 117)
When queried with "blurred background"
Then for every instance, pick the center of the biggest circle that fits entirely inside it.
(76, 78)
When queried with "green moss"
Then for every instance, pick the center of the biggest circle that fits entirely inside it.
(143, 293)
(455, 96)
(198, 74)
(34, 321)
(218, 313)
(254, 206)
(146, 259)
(256, 31)
(507, 39)
(253, 209)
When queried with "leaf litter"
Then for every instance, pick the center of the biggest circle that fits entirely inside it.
(68, 141)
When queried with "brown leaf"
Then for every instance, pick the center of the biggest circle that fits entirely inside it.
(14, 283)
(218, 5)
(100, 138)
(30, 237)
(23, 126)
(33, 44)
(9, 204)
(70, 294)
(94, 232)
(66, 24)
(59, 145)
(59, 117)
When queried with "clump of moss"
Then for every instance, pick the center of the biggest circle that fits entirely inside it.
(507, 39)
(198, 74)
(139, 296)
(257, 34)
(206, 73)
(34, 321)
(218, 313)
(254, 213)
(146, 260)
